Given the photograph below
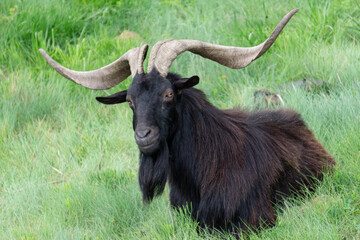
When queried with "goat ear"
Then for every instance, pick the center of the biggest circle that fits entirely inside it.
(119, 97)
(184, 83)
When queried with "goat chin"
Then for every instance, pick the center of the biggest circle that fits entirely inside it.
(150, 148)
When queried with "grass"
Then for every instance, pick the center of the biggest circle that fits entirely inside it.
(53, 134)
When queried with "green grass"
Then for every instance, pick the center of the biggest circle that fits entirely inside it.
(53, 134)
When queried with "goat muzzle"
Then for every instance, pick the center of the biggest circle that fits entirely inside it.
(147, 139)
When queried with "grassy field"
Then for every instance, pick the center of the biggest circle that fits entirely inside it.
(54, 135)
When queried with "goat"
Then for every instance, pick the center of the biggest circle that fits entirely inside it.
(228, 167)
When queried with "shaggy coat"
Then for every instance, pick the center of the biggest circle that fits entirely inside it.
(233, 166)
(228, 167)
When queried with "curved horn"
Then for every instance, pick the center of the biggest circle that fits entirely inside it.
(106, 77)
(165, 52)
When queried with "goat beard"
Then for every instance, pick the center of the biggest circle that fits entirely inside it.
(153, 173)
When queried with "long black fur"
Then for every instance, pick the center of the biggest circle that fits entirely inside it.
(229, 167)
(153, 173)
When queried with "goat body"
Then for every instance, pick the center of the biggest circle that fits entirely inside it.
(230, 167)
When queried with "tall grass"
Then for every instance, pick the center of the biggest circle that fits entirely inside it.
(54, 135)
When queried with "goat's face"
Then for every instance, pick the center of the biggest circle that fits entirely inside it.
(153, 100)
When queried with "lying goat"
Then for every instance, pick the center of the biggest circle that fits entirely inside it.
(229, 167)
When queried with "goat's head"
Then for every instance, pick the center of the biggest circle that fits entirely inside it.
(152, 96)
(152, 99)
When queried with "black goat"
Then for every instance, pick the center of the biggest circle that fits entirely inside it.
(229, 167)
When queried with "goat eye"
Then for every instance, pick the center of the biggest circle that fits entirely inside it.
(130, 103)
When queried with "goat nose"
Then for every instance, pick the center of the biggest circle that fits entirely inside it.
(142, 133)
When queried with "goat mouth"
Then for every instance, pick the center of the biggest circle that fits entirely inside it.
(148, 147)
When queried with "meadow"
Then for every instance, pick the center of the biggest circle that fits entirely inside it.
(68, 164)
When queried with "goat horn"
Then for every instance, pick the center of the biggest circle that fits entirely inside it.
(106, 77)
(165, 52)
